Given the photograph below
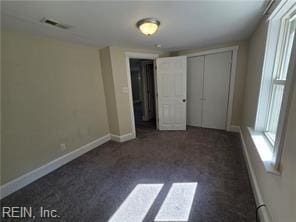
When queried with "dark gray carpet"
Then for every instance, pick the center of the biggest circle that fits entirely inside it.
(92, 187)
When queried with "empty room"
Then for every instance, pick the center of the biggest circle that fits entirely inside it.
(148, 111)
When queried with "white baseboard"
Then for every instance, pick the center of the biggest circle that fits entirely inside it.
(122, 138)
(263, 212)
(30, 177)
(234, 128)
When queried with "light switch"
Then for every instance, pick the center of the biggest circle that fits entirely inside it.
(125, 90)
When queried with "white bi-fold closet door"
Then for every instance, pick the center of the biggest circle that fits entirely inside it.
(208, 89)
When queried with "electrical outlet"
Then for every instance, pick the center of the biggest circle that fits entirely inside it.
(63, 146)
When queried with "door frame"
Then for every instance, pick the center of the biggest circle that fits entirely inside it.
(234, 50)
(145, 94)
(136, 55)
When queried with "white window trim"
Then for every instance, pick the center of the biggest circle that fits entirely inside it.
(274, 35)
(263, 147)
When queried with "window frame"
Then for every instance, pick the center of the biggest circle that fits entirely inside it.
(275, 55)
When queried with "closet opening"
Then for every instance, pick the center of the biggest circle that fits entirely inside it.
(208, 90)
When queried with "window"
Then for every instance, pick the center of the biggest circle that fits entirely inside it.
(279, 79)
(275, 84)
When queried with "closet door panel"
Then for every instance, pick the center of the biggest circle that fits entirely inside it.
(194, 90)
(216, 90)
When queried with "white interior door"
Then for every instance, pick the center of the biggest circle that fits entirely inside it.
(171, 91)
(195, 66)
(216, 89)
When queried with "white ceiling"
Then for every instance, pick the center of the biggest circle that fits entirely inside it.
(184, 25)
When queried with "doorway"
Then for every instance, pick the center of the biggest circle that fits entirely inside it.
(143, 91)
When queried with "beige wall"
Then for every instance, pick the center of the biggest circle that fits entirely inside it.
(118, 61)
(52, 94)
(240, 75)
(108, 80)
(115, 81)
(279, 192)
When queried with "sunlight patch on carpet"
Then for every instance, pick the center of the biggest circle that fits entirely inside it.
(137, 204)
(177, 204)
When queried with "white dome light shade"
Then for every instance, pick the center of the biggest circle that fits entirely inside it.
(148, 26)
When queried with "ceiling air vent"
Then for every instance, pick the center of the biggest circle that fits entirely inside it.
(55, 23)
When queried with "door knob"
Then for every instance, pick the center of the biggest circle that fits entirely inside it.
(184, 100)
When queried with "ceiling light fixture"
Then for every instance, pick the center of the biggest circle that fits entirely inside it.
(148, 26)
